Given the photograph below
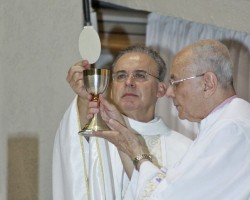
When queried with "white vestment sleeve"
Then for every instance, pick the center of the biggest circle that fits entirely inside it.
(68, 167)
(82, 170)
(139, 180)
(215, 168)
(131, 191)
(147, 172)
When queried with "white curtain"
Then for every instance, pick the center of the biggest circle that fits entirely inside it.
(168, 35)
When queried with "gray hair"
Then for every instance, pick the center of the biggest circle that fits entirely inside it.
(161, 66)
(213, 56)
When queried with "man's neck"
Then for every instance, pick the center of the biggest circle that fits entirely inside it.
(141, 117)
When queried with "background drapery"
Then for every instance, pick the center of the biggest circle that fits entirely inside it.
(168, 35)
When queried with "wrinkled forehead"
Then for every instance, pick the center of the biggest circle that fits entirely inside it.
(135, 61)
(182, 63)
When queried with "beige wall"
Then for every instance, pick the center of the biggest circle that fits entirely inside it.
(39, 41)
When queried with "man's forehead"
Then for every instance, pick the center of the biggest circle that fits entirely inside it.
(176, 69)
(181, 63)
(134, 57)
(135, 60)
(183, 56)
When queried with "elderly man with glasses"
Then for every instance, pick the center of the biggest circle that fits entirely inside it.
(217, 164)
(92, 169)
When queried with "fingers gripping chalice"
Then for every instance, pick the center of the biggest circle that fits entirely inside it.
(96, 82)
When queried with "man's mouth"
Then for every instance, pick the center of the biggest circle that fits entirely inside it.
(129, 95)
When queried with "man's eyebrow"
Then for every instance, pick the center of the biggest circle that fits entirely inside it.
(120, 71)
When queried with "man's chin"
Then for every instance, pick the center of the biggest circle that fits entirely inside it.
(181, 116)
(128, 107)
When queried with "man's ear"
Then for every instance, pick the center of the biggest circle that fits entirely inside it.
(210, 84)
(162, 88)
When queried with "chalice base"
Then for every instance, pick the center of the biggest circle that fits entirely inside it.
(95, 124)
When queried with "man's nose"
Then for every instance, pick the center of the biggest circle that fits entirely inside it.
(130, 81)
(170, 92)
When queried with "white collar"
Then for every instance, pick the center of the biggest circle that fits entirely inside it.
(153, 127)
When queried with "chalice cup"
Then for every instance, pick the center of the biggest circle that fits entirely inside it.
(96, 82)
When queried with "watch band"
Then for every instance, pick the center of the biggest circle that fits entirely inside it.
(140, 157)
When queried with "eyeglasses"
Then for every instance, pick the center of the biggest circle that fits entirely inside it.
(137, 75)
(174, 83)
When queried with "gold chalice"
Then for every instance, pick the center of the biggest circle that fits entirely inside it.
(96, 82)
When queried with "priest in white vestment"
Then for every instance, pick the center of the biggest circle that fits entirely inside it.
(93, 169)
(217, 164)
